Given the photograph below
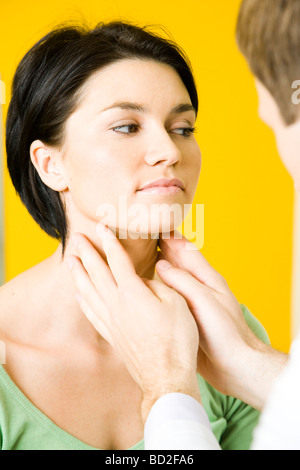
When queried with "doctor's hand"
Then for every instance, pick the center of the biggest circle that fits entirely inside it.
(147, 323)
(231, 358)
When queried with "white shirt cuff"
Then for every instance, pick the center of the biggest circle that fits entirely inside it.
(178, 421)
(278, 428)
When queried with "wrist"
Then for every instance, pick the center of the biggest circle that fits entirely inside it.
(258, 368)
(150, 396)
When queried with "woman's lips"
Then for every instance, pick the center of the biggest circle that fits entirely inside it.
(161, 190)
(163, 186)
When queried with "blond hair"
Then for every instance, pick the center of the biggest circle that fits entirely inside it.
(268, 35)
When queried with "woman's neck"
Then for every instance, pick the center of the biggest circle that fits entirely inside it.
(61, 289)
(141, 251)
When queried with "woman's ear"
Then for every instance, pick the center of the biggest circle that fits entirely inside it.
(45, 163)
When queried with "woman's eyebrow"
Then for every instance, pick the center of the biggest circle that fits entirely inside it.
(183, 108)
(180, 108)
(126, 105)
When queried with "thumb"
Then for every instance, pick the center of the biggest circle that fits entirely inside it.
(192, 260)
(158, 288)
(180, 280)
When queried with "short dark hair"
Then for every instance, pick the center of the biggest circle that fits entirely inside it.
(45, 92)
(268, 35)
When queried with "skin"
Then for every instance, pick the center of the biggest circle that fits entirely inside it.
(214, 307)
(54, 354)
(287, 137)
(100, 152)
(113, 302)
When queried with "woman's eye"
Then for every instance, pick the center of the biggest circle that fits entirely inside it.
(184, 131)
(126, 128)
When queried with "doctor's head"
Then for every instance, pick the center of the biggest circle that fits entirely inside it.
(268, 35)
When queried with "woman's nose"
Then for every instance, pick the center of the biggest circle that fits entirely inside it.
(162, 149)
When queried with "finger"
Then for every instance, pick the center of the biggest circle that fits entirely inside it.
(97, 269)
(94, 320)
(178, 252)
(181, 281)
(89, 298)
(160, 256)
(159, 289)
(118, 260)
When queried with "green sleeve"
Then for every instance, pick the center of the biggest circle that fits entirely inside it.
(255, 325)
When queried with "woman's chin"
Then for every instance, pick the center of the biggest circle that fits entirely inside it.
(143, 233)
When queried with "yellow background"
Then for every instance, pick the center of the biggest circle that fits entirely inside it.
(247, 195)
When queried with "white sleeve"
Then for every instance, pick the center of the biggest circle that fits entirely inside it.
(279, 425)
(178, 422)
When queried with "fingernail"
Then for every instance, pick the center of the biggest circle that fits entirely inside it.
(164, 265)
(104, 231)
(100, 229)
(176, 242)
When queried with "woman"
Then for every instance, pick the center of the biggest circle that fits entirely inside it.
(95, 117)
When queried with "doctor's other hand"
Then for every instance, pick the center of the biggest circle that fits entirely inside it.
(231, 357)
(148, 324)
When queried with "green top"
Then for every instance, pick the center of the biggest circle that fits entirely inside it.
(24, 427)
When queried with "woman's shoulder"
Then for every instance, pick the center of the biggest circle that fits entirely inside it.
(10, 306)
(15, 301)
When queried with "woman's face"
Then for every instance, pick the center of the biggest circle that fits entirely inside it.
(133, 126)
